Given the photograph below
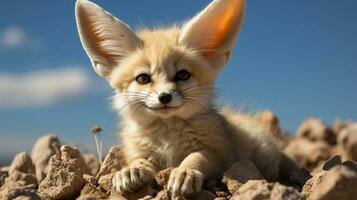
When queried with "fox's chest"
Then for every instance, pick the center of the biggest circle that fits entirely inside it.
(175, 144)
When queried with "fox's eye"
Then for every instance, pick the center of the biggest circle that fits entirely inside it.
(143, 79)
(182, 75)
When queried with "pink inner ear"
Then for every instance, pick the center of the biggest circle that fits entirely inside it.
(96, 39)
(225, 25)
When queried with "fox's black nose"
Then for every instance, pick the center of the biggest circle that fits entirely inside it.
(165, 98)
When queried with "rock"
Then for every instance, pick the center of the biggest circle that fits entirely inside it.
(204, 195)
(163, 177)
(21, 173)
(44, 148)
(281, 192)
(90, 179)
(93, 191)
(92, 163)
(113, 162)
(13, 191)
(347, 139)
(338, 183)
(22, 179)
(221, 198)
(338, 125)
(239, 173)
(337, 150)
(22, 163)
(22, 198)
(253, 190)
(262, 190)
(147, 197)
(65, 176)
(163, 195)
(116, 196)
(87, 197)
(336, 160)
(315, 130)
(142, 192)
(307, 153)
(105, 181)
(4, 169)
(221, 194)
(24, 193)
(312, 183)
(3, 175)
(350, 164)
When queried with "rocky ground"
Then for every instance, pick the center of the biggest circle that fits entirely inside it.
(56, 171)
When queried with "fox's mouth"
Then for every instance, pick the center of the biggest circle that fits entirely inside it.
(164, 109)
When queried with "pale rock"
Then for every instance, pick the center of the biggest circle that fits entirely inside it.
(311, 184)
(239, 173)
(93, 191)
(3, 175)
(147, 197)
(112, 163)
(22, 163)
(262, 190)
(315, 130)
(140, 193)
(13, 190)
(87, 197)
(116, 196)
(338, 183)
(90, 179)
(307, 153)
(347, 139)
(22, 178)
(105, 181)
(65, 176)
(21, 173)
(44, 148)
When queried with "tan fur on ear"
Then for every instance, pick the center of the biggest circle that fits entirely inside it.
(214, 31)
(105, 38)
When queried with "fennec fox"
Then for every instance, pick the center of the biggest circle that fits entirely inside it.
(163, 80)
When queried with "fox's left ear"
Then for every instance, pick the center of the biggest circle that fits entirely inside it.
(106, 39)
(215, 30)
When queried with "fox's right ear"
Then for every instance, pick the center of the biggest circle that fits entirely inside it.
(105, 38)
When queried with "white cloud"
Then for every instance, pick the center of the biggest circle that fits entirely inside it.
(14, 37)
(42, 88)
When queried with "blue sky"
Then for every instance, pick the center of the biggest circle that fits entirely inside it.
(297, 58)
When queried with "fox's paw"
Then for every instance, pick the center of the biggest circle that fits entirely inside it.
(185, 182)
(130, 179)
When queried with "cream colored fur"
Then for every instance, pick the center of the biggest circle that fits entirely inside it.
(189, 133)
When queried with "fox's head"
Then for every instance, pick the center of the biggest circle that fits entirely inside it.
(166, 72)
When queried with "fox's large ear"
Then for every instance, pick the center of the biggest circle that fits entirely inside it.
(214, 31)
(105, 38)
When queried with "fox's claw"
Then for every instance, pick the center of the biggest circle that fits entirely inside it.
(130, 179)
(185, 182)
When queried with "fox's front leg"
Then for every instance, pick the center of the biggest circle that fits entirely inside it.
(188, 178)
(137, 174)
